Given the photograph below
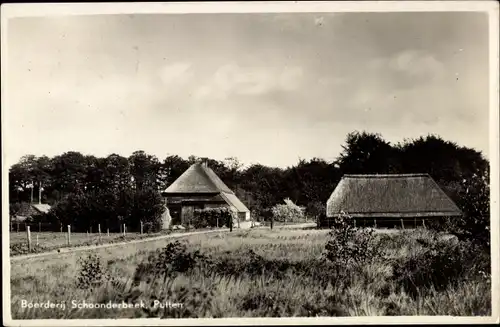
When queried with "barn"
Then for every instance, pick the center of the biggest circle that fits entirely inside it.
(390, 200)
(199, 188)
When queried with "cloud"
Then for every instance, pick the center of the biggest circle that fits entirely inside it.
(177, 73)
(233, 79)
(419, 66)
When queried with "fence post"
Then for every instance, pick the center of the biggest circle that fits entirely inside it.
(99, 230)
(272, 222)
(423, 223)
(61, 228)
(28, 234)
(375, 222)
(402, 224)
(141, 227)
(124, 230)
(354, 222)
(69, 234)
(217, 222)
(37, 240)
(108, 232)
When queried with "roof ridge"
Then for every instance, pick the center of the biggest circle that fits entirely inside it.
(211, 175)
(207, 174)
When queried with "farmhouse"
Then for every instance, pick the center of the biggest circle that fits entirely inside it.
(199, 188)
(394, 200)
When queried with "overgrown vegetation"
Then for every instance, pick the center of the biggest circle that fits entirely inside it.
(213, 217)
(275, 273)
(348, 244)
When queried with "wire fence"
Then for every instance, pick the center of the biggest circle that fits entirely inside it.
(18, 227)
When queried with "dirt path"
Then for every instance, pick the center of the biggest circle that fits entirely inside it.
(101, 246)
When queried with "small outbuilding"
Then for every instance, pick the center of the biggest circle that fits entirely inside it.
(390, 200)
(28, 210)
(199, 188)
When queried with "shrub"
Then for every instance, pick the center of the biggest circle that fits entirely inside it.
(22, 248)
(167, 263)
(288, 212)
(211, 217)
(473, 197)
(91, 273)
(439, 265)
(348, 244)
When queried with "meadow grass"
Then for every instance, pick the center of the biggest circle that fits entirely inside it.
(252, 273)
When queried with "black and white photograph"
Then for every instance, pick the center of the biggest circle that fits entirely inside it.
(249, 163)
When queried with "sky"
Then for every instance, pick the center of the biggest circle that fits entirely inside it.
(265, 88)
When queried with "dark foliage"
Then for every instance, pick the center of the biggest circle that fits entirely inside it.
(212, 217)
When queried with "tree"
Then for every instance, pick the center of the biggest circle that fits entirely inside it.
(315, 180)
(69, 172)
(117, 173)
(367, 153)
(144, 169)
(445, 161)
(170, 169)
(148, 207)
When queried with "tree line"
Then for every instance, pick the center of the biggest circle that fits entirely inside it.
(86, 188)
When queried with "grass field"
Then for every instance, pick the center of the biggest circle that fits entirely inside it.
(248, 273)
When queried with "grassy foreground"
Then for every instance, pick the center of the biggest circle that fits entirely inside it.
(251, 273)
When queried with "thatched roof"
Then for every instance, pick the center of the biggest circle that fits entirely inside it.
(233, 201)
(29, 209)
(41, 207)
(393, 195)
(199, 178)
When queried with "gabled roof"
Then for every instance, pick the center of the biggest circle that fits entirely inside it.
(392, 195)
(29, 209)
(43, 208)
(233, 200)
(198, 179)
